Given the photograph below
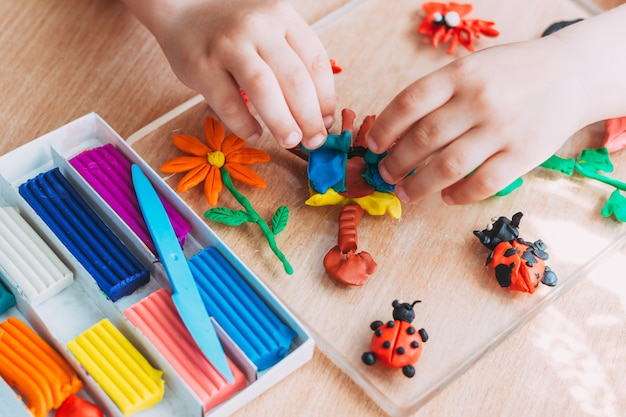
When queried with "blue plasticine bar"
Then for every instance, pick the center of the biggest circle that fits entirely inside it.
(7, 300)
(117, 272)
(239, 310)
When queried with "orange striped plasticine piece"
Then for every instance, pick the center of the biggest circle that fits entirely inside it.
(34, 368)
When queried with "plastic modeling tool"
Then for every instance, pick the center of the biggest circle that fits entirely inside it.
(185, 295)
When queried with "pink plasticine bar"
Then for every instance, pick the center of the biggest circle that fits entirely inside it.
(108, 173)
(156, 317)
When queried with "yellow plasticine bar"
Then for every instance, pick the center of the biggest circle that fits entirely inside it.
(118, 367)
(34, 368)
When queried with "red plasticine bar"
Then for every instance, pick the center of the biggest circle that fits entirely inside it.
(38, 373)
(156, 317)
(108, 173)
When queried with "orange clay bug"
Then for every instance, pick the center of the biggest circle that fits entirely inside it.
(519, 265)
(397, 343)
(446, 23)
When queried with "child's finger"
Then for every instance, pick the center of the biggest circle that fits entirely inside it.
(414, 102)
(422, 140)
(314, 56)
(223, 95)
(259, 82)
(450, 166)
(498, 172)
(299, 92)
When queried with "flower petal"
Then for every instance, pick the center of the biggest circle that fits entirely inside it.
(182, 164)
(213, 186)
(214, 134)
(190, 144)
(245, 175)
(247, 156)
(194, 177)
(232, 143)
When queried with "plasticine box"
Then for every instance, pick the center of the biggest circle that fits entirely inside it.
(64, 245)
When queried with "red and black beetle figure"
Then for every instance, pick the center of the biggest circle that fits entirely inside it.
(519, 265)
(397, 343)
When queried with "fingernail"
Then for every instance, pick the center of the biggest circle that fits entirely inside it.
(371, 145)
(316, 141)
(401, 194)
(292, 139)
(328, 121)
(384, 173)
(254, 137)
(447, 198)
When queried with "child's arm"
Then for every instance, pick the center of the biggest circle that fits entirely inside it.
(263, 46)
(502, 111)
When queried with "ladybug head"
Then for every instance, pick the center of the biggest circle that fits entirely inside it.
(404, 311)
(501, 230)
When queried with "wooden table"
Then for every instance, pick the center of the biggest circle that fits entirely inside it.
(62, 59)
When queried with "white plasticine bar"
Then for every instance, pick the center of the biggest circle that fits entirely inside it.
(27, 261)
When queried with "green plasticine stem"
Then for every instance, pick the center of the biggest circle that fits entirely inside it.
(598, 177)
(269, 235)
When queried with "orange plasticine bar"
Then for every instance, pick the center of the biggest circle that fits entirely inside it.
(34, 368)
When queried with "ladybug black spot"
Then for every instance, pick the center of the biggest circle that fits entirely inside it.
(410, 330)
(400, 351)
(378, 333)
(414, 344)
(386, 344)
(391, 323)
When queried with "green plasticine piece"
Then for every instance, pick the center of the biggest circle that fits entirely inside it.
(232, 217)
(556, 163)
(598, 159)
(616, 206)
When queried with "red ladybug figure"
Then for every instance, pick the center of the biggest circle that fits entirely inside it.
(519, 265)
(397, 343)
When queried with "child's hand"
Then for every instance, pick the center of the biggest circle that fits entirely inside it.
(498, 113)
(261, 46)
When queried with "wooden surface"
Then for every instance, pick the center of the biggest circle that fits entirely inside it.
(62, 59)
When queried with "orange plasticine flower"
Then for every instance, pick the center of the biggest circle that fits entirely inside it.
(205, 160)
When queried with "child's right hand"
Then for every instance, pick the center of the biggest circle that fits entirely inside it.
(261, 46)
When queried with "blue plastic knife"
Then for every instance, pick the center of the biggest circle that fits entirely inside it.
(185, 292)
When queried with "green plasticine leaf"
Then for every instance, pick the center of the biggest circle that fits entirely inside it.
(228, 216)
(556, 163)
(596, 160)
(510, 188)
(279, 220)
(616, 206)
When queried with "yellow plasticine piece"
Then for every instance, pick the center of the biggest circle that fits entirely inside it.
(378, 203)
(34, 368)
(375, 204)
(118, 367)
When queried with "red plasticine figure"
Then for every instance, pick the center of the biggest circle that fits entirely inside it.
(445, 23)
(397, 343)
(519, 265)
(344, 172)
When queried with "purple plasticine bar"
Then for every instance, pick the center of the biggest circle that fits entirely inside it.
(239, 310)
(157, 318)
(108, 173)
(117, 272)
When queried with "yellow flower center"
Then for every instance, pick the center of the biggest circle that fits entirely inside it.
(216, 158)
